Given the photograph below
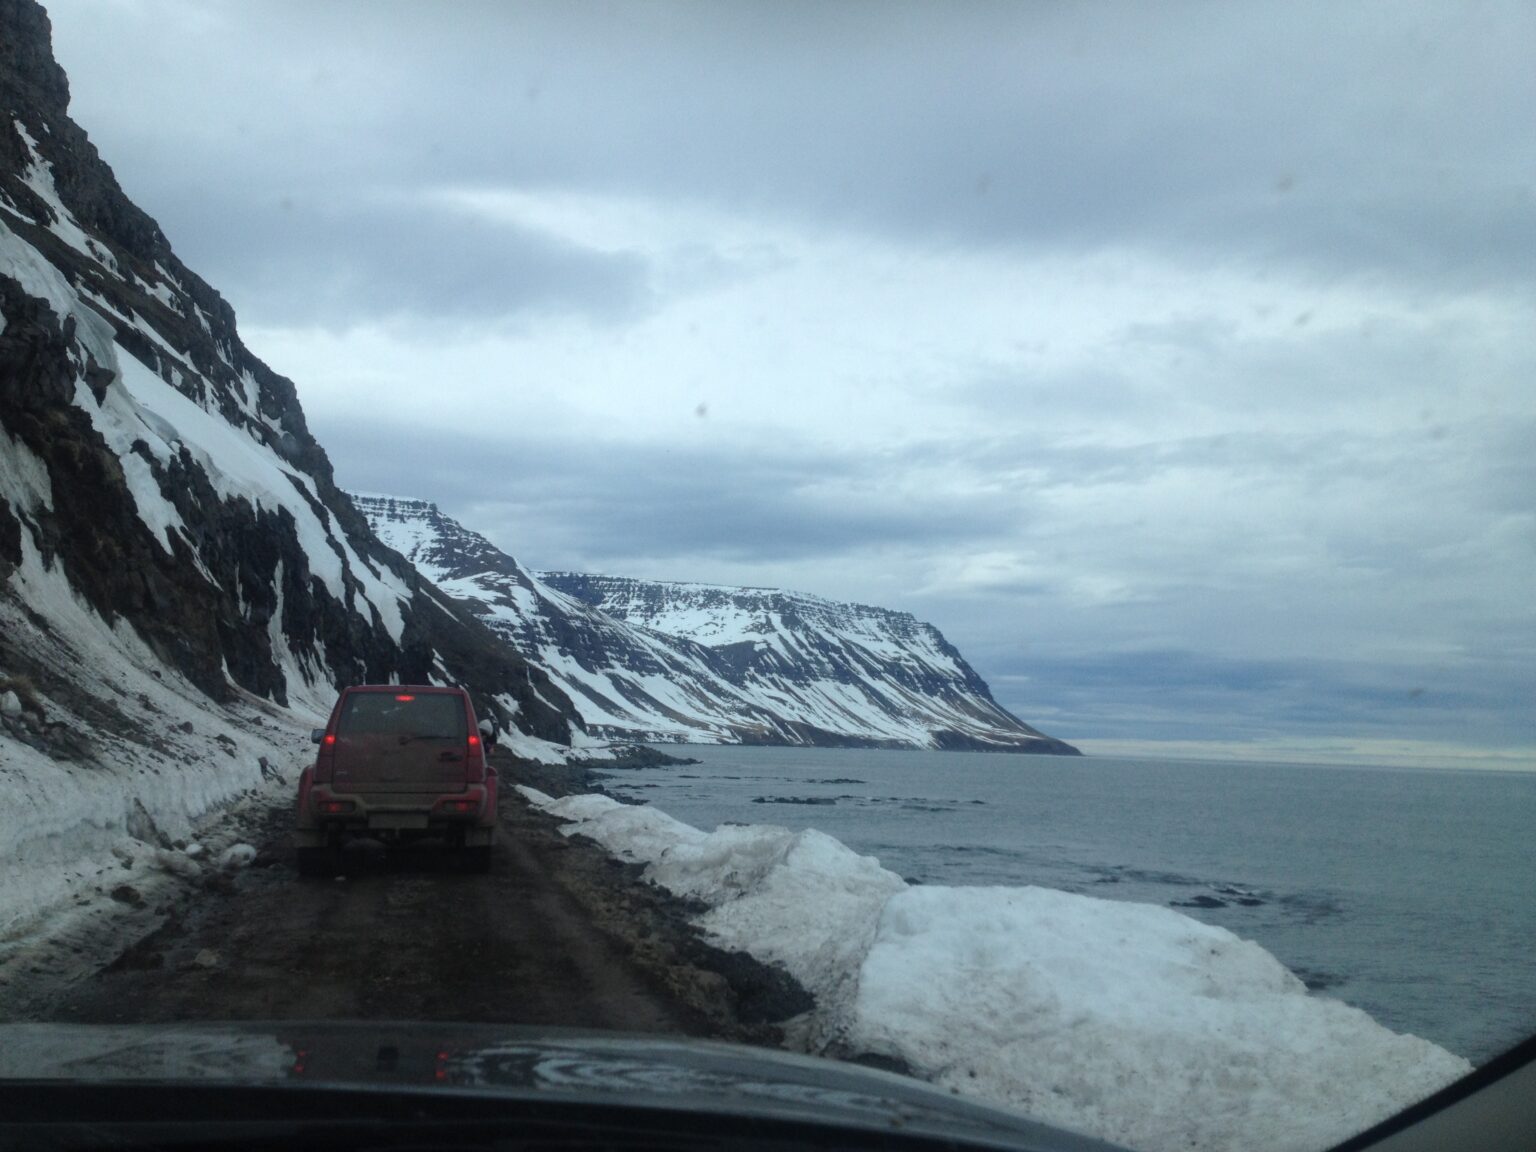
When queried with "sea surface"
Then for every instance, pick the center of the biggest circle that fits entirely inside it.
(1408, 892)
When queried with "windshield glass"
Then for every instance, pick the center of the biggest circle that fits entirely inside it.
(989, 540)
(430, 716)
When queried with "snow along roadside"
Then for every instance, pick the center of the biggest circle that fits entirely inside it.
(103, 775)
(1130, 1022)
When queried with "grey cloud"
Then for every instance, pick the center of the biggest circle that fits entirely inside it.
(1389, 143)
(558, 502)
(1308, 460)
(1183, 695)
(332, 260)
(1459, 237)
(1357, 543)
(1259, 134)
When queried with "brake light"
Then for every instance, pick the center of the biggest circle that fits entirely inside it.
(325, 758)
(336, 807)
(474, 754)
(405, 699)
(466, 805)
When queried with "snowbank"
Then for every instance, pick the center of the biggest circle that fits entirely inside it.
(72, 828)
(1130, 1022)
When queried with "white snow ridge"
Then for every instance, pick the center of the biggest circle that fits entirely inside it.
(697, 663)
(1129, 1022)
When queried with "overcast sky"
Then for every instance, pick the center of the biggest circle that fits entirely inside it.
(1176, 360)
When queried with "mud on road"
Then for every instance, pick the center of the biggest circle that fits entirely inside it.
(556, 934)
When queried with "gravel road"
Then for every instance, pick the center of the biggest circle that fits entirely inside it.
(556, 934)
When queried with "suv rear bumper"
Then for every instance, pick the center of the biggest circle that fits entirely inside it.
(468, 817)
(327, 835)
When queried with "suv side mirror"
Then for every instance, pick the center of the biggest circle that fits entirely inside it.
(488, 733)
(316, 735)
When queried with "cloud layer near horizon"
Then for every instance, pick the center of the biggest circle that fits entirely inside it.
(1178, 365)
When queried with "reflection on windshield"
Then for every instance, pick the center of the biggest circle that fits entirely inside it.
(800, 431)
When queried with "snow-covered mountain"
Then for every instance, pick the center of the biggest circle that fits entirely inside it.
(695, 662)
(175, 559)
(870, 674)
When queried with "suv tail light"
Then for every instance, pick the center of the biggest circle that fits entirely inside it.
(326, 804)
(325, 758)
(468, 803)
(474, 759)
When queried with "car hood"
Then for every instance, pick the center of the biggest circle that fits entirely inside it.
(517, 1063)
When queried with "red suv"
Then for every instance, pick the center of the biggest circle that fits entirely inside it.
(397, 763)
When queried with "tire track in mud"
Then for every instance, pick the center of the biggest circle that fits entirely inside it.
(556, 934)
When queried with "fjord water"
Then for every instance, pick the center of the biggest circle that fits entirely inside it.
(1410, 893)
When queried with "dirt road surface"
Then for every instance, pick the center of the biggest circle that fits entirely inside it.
(556, 934)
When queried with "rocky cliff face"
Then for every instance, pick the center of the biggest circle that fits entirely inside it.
(182, 586)
(692, 662)
(161, 479)
(870, 674)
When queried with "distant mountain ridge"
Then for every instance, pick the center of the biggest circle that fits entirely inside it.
(662, 661)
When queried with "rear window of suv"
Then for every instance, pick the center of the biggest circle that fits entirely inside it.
(438, 716)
